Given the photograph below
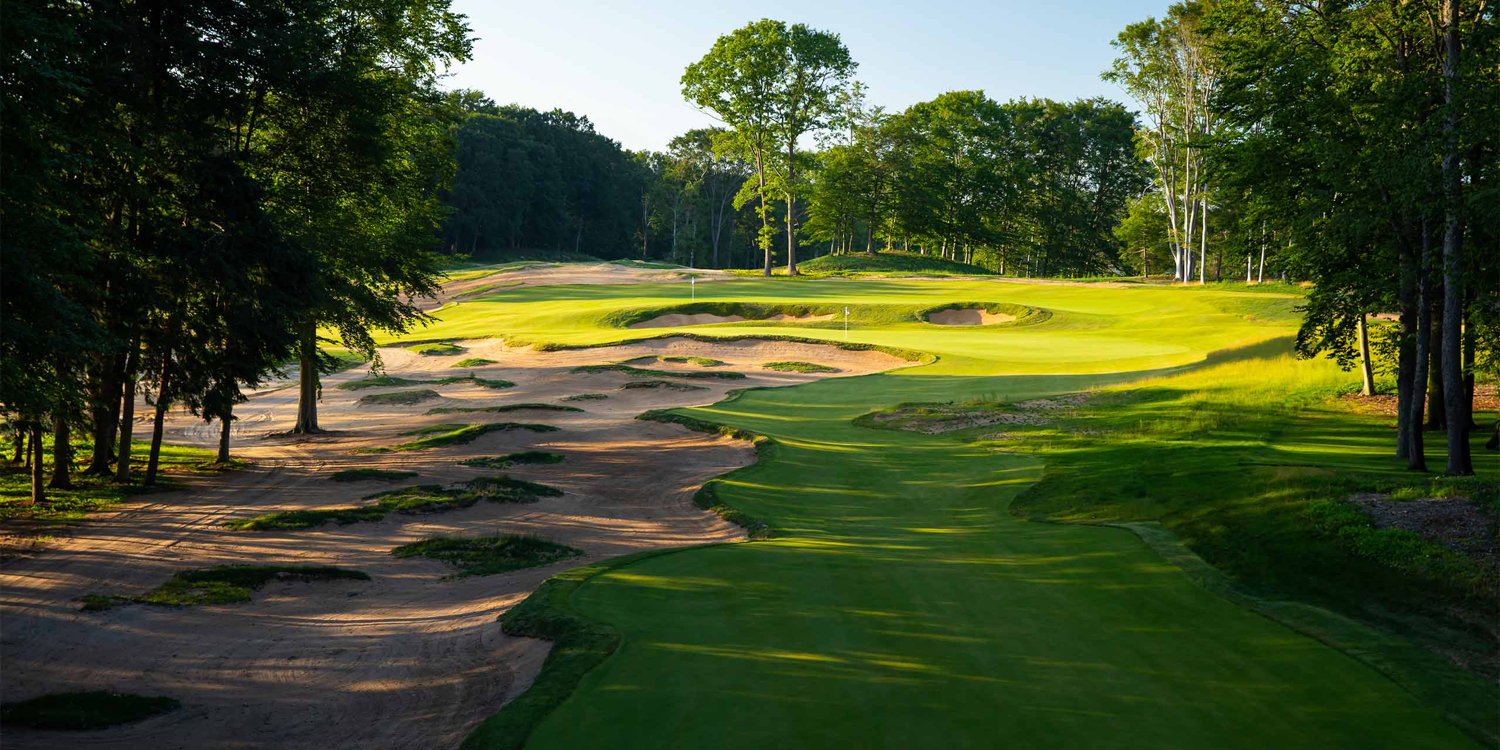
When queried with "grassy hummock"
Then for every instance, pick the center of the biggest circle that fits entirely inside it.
(475, 362)
(83, 710)
(436, 349)
(500, 409)
(641, 372)
(794, 366)
(422, 498)
(586, 397)
(398, 398)
(488, 555)
(222, 584)
(440, 435)
(667, 384)
(391, 381)
(675, 359)
(379, 475)
(511, 459)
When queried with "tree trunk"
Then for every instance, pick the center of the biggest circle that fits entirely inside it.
(1416, 459)
(310, 389)
(1368, 373)
(1459, 461)
(1471, 343)
(225, 420)
(21, 453)
(162, 401)
(1405, 356)
(1436, 416)
(62, 454)
(106, 413)
(791, 217)
(38, 491)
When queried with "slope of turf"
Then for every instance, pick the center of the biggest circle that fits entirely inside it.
(898, 602)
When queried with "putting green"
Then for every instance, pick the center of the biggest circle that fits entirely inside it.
(900, 604)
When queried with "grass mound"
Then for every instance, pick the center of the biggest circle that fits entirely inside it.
(436, 349)
(474, 362)
(423, 498)
(379, 475)
(511, 459)
(399, 398)
(888, 262)
(795, 366)
(488, 555)
(222, 584)
(500, 408)
(440, 435)
(667, 384)
(391, 381)
(586, 397)
(699, 361)
(641, 372)
(83, 710)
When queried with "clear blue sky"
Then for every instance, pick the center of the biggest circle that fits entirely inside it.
(619, 63)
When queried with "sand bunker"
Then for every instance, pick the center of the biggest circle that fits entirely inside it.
(674, 320)
(406, 659)
(968, 316)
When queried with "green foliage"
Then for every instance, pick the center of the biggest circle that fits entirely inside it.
(474, 362)
(436, 349)
(454, 434)
(361, 475)
(222, 584)
(399, 398)
(83, 710)
(641, 372)
(501, 408)
(511, 459)
(92, 493)
(794, 366)
(888, 262)
(483, 556)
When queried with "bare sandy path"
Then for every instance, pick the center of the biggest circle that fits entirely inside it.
(407, 659)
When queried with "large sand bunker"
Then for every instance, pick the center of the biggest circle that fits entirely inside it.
(674, 320)
(407, 659)
(968, 316)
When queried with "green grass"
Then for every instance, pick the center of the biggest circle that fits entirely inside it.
(488, 555)
(399, 398)
(83, 710)
(794, 366)
(362, 475)
(424, 498)
(474, 362)
(898, 600)
(586, 397)
(699, 361)
(511, 459)
(436, 349)
(641, 372)
(390, 381)
(91, 494)
(889, 262)
(500, 409)
(222, 584)
(667, 384)
(440, 435)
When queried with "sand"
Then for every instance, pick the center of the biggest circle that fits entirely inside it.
(968, 316)
(406, 659)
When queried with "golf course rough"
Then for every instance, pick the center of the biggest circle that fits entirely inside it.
(899, 603)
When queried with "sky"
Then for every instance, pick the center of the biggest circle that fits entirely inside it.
(620, 63)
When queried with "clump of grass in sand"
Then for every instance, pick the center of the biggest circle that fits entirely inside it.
(794, 366)
(500, 408)
(399, 398)
(586, 397)
(676, 359)
(641, 372)
(422, 498)
(83, 710)
(474, 362)
(669, 385)
(391, 381)
(453, 434)
(360, 475)
(510, 459)
(222, 584)
(436, 349)
(487, 555)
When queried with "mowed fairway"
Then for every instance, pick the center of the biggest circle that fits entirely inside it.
(900, 604)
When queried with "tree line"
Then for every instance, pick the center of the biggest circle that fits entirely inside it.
(198, 193)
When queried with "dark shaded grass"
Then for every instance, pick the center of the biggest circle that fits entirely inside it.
(436, 349)
(422, 498)
(641, 372)
(454, 434)
(399, 398)
(83, 710)
(586, 397)
(488, 555)
(669, 385)
(511, 459)
(222, 584)
(500, 409)
(391, 381)
(380, 475)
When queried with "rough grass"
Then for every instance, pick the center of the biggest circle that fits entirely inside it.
(641, 372)
(223, 584)
(474, 362)
(667, 384)
(511, 459)
(398, 398)
(425, 498)
(586, 397)
(488, 555)
(440, 435)
(390, 381)
(436, 349)
(500, 409)
(90, 493)
(83, 710)
(361, 475)
(795, 366)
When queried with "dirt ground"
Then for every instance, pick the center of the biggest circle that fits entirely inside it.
(407, 659)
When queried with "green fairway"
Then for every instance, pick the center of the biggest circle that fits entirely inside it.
(899, 602)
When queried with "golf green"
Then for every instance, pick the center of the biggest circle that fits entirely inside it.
(900, 604)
